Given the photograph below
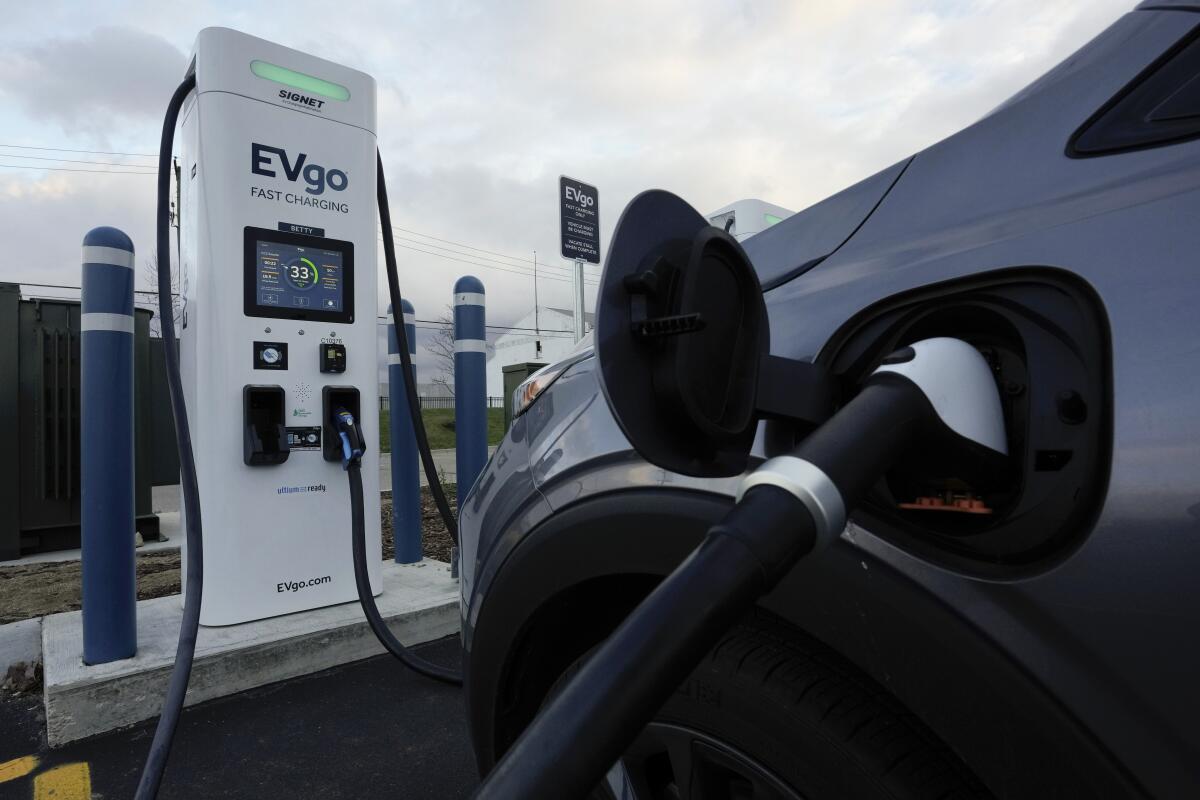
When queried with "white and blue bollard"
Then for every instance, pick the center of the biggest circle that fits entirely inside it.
(470, 383)
(406, 480)
(106, 448)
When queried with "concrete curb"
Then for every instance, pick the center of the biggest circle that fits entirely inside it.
(419, 603)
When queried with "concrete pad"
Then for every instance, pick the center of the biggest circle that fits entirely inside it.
(20, 643)
(419, 603)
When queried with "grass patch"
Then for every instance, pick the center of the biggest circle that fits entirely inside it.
(439, 426)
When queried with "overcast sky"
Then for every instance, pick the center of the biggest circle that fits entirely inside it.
(483, 105)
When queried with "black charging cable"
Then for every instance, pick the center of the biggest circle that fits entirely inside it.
(410, 389)
(352, 451)
(431, 474)
(160, 747)
(789, 506)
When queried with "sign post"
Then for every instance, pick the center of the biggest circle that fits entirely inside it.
(579, 229)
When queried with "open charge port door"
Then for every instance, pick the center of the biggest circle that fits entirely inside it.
(264, 439)
(333, 398)
(1045, 336)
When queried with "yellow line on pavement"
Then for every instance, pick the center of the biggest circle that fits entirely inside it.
(68, 782)
(17, 768)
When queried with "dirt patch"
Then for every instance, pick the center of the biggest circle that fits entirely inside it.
(34, 590)
(22, 678)
(31, 590)
(435, 539)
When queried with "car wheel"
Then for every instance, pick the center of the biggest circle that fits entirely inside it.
(773, 714)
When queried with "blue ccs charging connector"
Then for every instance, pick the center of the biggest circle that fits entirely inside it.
(352, 443)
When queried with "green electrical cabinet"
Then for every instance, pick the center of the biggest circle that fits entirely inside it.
(39, 405)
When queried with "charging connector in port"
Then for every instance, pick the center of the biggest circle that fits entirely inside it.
(333, 398)
(1044, 337)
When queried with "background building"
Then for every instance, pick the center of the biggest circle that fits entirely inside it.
(553, 340)
(748, 217)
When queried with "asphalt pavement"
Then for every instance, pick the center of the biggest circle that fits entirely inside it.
(364, 730)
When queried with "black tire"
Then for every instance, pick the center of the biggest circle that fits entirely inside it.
(771, 713)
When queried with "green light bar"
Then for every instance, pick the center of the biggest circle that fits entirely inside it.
(298, 80)
(771, 219)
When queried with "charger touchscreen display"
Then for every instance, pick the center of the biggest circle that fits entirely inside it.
(298, 278)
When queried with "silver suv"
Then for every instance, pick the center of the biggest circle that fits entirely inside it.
(1044, 644)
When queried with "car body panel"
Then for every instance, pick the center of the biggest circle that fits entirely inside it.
(788, 249)
(1099, 649)
(504, 498)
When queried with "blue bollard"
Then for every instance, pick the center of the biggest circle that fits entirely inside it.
(106, 448)
(470, 383)
(406, 481)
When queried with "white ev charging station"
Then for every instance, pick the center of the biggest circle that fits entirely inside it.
(278, 251)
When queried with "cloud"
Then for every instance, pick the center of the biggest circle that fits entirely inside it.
(785, 101)
(93, 82)
(482, 106)
(46, 220)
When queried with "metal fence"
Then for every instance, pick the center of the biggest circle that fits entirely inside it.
(440, 402)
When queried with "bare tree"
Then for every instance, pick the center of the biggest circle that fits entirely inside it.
(150, 297)
(440, 344)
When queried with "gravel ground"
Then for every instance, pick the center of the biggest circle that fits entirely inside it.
(34, 590)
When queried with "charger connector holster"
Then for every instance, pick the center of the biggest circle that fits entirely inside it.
(264, 435)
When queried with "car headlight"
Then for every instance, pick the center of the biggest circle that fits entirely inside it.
(540, 381)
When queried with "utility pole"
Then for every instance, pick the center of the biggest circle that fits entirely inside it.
(535, 302)
(537, 342)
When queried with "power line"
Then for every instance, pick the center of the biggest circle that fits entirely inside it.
(490, 266)
(459, 244)
(487, 266)
(522, 262)
(526, 274)
(542, 335)
(461, 254)
(69, 150)
(70, 169)
(442, 324)
(527, 265)
(79, 161)
(464, 260)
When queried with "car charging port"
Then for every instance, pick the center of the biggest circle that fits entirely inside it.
(1045, 339)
